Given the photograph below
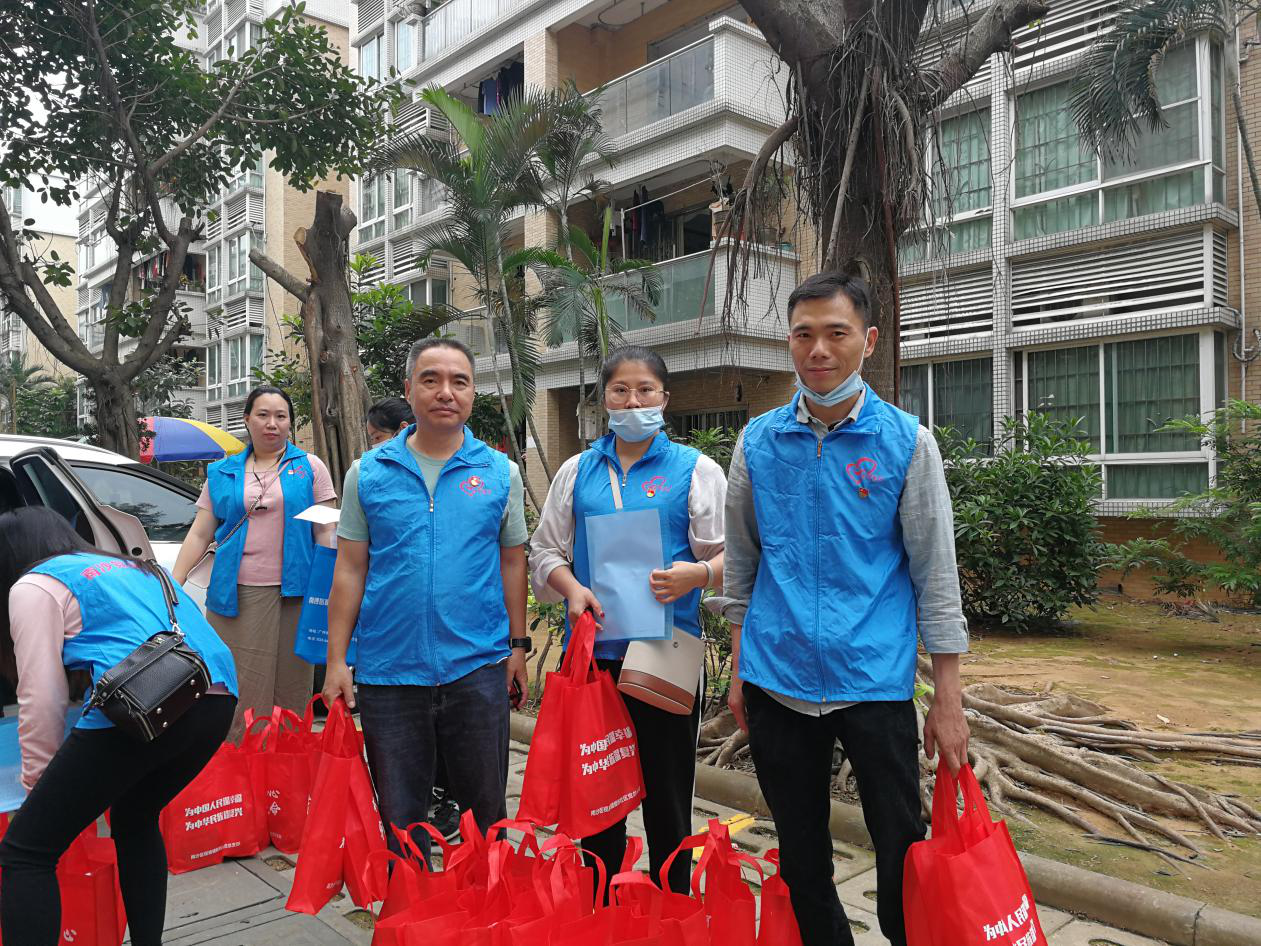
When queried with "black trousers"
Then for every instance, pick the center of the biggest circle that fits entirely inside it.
(95, 770)
(793, 755)
(667, 754)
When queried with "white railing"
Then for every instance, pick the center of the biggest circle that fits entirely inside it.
(456, 20)
(658, 90)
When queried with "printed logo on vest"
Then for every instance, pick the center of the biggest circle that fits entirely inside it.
(474, 486)
(861, 472)
(95, 571)
(655, 485)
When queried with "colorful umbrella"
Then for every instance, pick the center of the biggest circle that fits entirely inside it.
(175, 438)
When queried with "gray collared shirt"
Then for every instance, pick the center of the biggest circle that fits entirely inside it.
(927, 533)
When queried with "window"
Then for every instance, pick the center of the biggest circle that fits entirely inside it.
(1167, 170)
(1123, 393)
(1150, 382)
(165, 512)
(404, 46)
(242, 274)
(428, 292)
(241, 40)
(683, 424)
(370, 58)
(256, 352)
(1064, 384)
(402, 199)
(372, 208)
(238, 367)
(212, 366)
(1049, 153)
(212, 269)
(961, 177)
(955, 394)
(438, 292)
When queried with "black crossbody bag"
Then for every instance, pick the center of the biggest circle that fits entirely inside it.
(154, 685)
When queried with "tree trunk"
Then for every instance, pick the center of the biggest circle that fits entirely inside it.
(339, 391)
(117, 425)
(514, 449)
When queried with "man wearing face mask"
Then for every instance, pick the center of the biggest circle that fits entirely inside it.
(639, 469)
(840, 551)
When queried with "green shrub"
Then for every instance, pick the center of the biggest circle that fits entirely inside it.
(1024, 527)
(1227, 514)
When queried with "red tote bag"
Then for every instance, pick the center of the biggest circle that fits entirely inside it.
(215, 816)
(965, 886)
(342, 826)
(595, 776)
(283, 761)
(778, 926)
(91, 903)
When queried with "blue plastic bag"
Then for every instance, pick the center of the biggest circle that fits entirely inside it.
(311, 643)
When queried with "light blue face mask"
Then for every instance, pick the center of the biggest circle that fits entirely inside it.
(636, 424)
(842, 392)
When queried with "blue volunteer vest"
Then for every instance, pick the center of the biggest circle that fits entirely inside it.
(122, 607)
(832, 615)
(226, 482)
(661, 479)
(433, 602)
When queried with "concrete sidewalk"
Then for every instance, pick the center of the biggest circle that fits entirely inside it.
(241, 903)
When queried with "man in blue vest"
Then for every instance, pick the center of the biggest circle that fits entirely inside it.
(840, 549)
(431, 565)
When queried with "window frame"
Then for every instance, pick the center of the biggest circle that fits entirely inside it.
(1105, 458)
(930, 396)
(377, 44)
(401, 28)
(372, 228)
(1100, 186)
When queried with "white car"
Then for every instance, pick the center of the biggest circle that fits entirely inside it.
(113, 501)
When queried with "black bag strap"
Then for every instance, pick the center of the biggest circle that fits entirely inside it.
(169, 598)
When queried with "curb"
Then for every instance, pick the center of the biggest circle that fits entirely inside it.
(1179, 921)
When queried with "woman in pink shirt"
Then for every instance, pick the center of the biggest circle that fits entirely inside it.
(263, 553)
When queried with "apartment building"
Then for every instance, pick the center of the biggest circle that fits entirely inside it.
(54, 226)
(1046, 278)
(235, 312)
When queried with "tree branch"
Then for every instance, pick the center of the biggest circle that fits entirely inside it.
(287, 280)
(160, 306)
(141, 361)
(990, 34)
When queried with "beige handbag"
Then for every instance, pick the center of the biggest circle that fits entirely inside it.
(665, 674)
(662, 673)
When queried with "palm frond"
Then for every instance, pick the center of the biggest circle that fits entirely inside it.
(1116, 93)
(467, 124)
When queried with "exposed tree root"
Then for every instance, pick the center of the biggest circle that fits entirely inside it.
(1072, 759)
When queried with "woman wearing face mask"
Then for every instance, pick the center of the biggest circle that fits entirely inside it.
(688, 489)
(263, 554)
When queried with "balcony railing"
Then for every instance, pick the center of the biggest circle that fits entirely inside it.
(683, 295)
(658, 90)
(456, 20)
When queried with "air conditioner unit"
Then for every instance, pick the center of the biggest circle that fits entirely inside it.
(592, 422)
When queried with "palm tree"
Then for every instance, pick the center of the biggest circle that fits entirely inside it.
(15, 374)
(1116, 93)
(487, 175)
(579, 287)
(575, 136)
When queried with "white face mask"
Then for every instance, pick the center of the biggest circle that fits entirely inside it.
(636, 424)
(843, 391)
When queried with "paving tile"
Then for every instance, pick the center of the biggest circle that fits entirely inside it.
(1053, 919)
(289, 930)
(212, 892)
(1086, 933)
(865, 927)
(855, 890)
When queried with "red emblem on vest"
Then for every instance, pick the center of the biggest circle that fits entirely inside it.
(474, 486)
(861, 472)
(655, 485)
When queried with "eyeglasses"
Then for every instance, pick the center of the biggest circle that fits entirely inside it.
(617, 394)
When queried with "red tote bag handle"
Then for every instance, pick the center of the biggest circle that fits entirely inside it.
(974, 823)
(579, 661)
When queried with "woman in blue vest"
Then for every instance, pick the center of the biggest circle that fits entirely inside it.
(67, 606)
(263, 554)
(688, 489)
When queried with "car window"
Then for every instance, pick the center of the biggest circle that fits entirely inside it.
(165, 512)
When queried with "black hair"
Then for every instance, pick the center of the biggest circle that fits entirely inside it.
(30, 536)
(390, 413)
(269, 389)
(624, 353)
(830, 285)
(425, 344)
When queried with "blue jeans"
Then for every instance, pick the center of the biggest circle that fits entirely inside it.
(406, 728)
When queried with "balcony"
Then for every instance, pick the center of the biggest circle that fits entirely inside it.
(687, 326)
(457, 20)
(659, 90)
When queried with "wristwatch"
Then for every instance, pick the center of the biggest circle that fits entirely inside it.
(522, 642)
